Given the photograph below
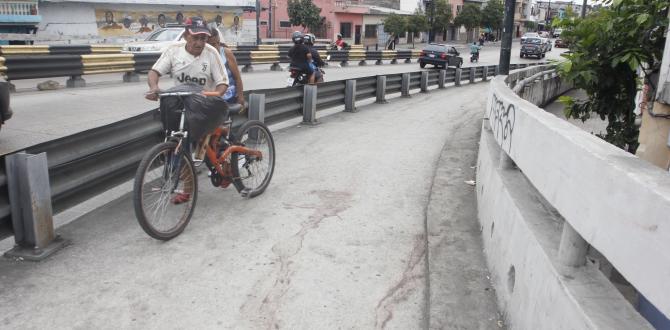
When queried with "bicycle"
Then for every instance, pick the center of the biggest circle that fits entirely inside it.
(166, 180)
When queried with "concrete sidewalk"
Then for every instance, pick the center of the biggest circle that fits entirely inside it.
(368, 223)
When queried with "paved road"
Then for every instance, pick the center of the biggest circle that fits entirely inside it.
(338, 241)
(43, 116)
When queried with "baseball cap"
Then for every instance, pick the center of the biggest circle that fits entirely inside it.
(196, 25)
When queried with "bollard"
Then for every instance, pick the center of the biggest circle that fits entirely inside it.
(457, 78)
(131, 77)
(404, 87)
(350, 96)
(257, 107)
(247, 68)
(424, 81)
(309, 105)
(276, 67)
(381, 90)
(497, 72)
(572, 249)
(75, 81)
(473, 71)
(441, 78)
(30, 202)
(485, 73)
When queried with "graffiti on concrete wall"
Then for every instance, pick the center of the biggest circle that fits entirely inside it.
(117, 23)
(501, 119)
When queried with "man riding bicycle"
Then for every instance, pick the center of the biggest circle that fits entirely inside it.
(195, 66)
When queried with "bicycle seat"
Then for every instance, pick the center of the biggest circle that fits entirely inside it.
(234, 108)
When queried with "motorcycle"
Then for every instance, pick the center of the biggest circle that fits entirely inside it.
(299, 77)
(474, 57)
(345, 46)
(5, 110)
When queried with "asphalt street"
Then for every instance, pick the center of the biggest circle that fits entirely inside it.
(341, 238)
(45, 115)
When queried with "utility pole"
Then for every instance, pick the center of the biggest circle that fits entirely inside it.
(258, 22)
(584, 9)
(270, 26)
(506, 45)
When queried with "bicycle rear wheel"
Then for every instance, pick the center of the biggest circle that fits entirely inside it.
(165, 191)
(252, 175)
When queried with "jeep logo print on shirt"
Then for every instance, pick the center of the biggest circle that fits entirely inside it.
(188, 79)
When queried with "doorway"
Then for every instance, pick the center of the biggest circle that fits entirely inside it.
(357, 35)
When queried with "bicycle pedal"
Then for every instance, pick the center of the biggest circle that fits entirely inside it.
(245, 192)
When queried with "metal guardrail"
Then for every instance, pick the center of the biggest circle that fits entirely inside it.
(88, 163)
(51, 61)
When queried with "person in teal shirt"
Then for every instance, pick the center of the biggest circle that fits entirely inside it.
(474, 49)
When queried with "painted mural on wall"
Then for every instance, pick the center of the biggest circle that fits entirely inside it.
(116, 23)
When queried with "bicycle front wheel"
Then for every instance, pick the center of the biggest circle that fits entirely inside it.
(165, 191)
(251, 174)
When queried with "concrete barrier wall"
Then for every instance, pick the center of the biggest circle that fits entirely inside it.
(617, 203)
(521, 234)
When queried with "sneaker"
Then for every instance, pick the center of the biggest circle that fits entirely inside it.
(181, 198)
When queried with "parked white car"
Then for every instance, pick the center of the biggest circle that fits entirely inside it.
(156, 42)
(557, 32)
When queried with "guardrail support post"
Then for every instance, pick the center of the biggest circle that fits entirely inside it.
(394, 61)
(441, 78)
(381, 90)
(350, 96)
(309, 105)
(257, 107)
(473, 71)
(457, 77)
(30, 201)
(247, 68)
(344, 63)
(572, 249)
(131, 77)
(424, 81)
(379, 62)
(276, 67)
(75, 81)
(362, 63)
(497, 70)
(404, 87)
(408, 60)
(485, 73)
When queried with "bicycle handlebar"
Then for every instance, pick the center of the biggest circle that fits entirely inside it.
(163, 94)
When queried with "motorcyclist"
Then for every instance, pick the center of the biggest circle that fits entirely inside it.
(5, 110)
(301, 56)
(474, 50)
(316, 58)
(340, 43)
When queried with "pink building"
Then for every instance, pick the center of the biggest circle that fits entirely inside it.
(344, 17)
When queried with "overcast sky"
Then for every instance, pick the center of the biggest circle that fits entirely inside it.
(410, 5)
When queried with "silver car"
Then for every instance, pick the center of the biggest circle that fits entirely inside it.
(156, 42)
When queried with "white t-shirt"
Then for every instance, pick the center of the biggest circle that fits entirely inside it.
(206, 70)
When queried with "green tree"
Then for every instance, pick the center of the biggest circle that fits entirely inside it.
(395, 24)
(530, 26)
(417, 23)
(470, 17)
(443, 17)
(304, 13)
(608, 47)
(493, 15)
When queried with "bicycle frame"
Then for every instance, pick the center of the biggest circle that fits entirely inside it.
(213, 146)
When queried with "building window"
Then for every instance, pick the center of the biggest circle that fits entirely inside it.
(345, 30)
(458, 8)
(371, 31)
(264, 23)
(284, 24)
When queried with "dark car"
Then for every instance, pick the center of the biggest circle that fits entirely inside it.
(560, 43)
(5, 111)
(440, 56)
(533, 47)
